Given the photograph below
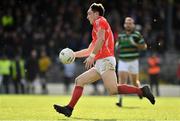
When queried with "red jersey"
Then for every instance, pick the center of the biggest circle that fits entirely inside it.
(108, 45)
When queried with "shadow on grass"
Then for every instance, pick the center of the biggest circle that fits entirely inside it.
(91, 119)
(94, 119)
(128, 107)
(86, 119)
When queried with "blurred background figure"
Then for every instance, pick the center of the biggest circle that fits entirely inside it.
(154, 71)
(5, 65)
(129, 44)
(69, 74)
(18, 74)
(44, 65)
(32, 71)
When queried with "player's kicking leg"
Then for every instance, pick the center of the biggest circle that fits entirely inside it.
(85, 78)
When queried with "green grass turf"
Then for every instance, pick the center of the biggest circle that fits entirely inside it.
(37, 107)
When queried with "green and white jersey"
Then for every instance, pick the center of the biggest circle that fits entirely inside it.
(125, 50)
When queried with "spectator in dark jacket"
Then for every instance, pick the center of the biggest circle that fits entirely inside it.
(32, 71)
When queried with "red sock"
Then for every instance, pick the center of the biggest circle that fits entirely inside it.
(127, 89)
(75, 96)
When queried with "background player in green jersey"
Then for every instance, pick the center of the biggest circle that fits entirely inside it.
(128, 45)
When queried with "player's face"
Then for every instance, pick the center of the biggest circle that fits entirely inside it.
(90, 16)
(129, 25)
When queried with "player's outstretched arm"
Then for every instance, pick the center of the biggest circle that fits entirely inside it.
(84, 52)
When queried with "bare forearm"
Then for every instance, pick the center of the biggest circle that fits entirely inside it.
(85, 52)
(82, 53)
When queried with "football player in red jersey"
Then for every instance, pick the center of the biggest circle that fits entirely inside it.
(100, 52)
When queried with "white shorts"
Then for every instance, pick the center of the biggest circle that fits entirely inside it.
(102, 65)
(129, 66)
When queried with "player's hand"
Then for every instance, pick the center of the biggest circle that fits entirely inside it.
(133, 42)
(89, 62)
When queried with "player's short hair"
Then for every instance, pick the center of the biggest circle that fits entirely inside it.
(95, 7)
(130, 18)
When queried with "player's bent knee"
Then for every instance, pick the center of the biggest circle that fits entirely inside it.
(78, 82)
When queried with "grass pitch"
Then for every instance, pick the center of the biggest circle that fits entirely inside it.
(89, 108)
